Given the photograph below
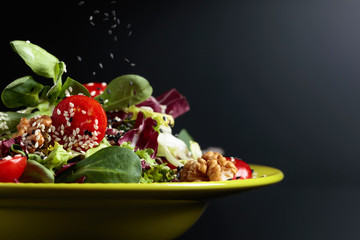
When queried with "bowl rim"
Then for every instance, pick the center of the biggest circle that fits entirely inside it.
(275, 175)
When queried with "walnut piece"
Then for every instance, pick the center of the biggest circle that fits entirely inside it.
(34, 131)
(210, 167)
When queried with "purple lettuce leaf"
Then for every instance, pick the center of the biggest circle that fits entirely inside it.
(5, 146)
(176, 104)
(143, 135)
(151, 102)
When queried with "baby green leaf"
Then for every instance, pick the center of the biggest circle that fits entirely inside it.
(38, 59)
(125, 91)
(21, 92)
(74, 88)
(108, 165)
(36, 173)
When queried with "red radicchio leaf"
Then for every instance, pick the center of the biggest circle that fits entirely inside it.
(151, 102)
(176, 104)
(143, 135)
(6, 145)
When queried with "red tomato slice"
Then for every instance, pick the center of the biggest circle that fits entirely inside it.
(244, 170)
(11, 168)
(95, 88)
(80, 123)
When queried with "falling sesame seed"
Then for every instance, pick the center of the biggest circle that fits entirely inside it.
(113, 2)
(81, 3)
(115, 38)
(111, 55)
(105, 19)
(127, 60)
(113, 13)
(96, 11)
(113, 26)
(106, 14)
(79, 58)
(94, 73)
(128, 26)
(130, 33)
(92, 24)
(91, 18)
(101, 66)
(109, 31)
(132, 64)
(118, 21)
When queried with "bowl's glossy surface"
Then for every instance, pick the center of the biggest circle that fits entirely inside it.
(113, 211)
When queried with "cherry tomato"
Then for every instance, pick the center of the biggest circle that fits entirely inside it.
(244, 170)
(80, 123)
(11, 168)
(95, 88)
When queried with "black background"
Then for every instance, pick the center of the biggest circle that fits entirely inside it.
(273, 82)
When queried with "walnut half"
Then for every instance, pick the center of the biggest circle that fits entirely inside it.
(210, 167)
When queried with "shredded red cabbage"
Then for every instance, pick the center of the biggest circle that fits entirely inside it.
(6, 145)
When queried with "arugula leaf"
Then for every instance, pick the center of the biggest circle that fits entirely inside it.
(108, 165)
(21, 92)
(125, 91)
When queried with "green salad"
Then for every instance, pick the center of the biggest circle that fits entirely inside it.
(116, 132)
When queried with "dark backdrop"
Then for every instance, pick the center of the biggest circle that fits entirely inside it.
(273, 82)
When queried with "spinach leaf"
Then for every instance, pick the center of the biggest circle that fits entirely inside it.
(39, 60)
(125, 91)
(75, 87)
(56, 89)
(36, 173)
(108, 165)
(21, 92)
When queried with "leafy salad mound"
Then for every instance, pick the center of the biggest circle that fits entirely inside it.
(96, 132)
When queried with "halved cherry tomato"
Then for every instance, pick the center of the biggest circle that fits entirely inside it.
(244, 170)
(11, 168)
(95, 88)
(80, 123)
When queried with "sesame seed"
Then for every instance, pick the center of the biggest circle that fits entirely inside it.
(96, 121)
(70, 89)
(58, 111)
(71, 105)
(92, 24)
(113, 13)
(68, 124)
(91, 18)
(130, 33)
(90, 84)
(62, 132)
(93, 93)
(113, 26)
(57, 139)
(115, 38)
(37, 138)
(101, 66)
(79, 58)
(111, 55)
(74, 132)
(36, 144)
(96, 127)
(109, 31)
(67, 93)
(81, 3)
(77, 130)
(83, 111)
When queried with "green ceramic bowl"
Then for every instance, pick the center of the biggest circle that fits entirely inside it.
(113, 211)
